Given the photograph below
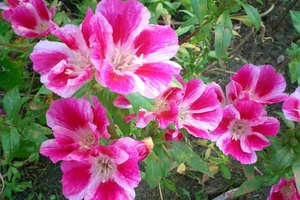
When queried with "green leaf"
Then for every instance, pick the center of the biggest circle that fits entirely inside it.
(225, 171)
(17, 107)
(253, 15)
(288, 123)
(10, 76)
(169, 184)
(137, 100)
(294, 68)
(181, 152)
(36, 133)
(204, 32)
(153, 170)
(199, 8)
(158, 10)
(223, 33)
(10, 142)
(43, 90)
(295, 15)
(10, 100)
(175, 83)
(296, 170)
(118, 116)
(248, 186)
(281, 159)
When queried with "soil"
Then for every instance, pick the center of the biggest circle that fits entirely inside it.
(279, 27)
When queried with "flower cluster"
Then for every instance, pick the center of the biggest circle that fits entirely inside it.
(245, 123)
(77, 127)
(116, 46)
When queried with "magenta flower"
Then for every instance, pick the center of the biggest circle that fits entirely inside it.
(284, 190)
(129, 54)
(77, 127)
(200, 110)
(30, 19)
(173, 135)
(65, 67)
(243, 129)
(291, 106)
(257, 83)
(110, 173)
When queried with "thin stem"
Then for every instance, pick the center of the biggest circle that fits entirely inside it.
(13, 46)
(184, 40)
(31, 83)
(160, 192)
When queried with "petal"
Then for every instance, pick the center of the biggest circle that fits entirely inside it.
(257, 110)
(56, 152)
(47, 54)
(269, 84)
(101, 42)
(193, 91)
(253, 142)
(247, 76)
(156, 43)
(200, 133)
(41, 9)
(86, 27)
(72, 36)
(127, 18)
(156, 78)
(270, 127)
(70, 113)
(25, 15)
(122, 102)
(110, 190)
(291, 109)
(208, 101)
(144, 118)
(119, 83)
(75, 180)
(218, 90)
(100, 119)
(233, 147)
(230, 114)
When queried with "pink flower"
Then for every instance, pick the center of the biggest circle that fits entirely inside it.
(243, 129)
(173, 135)
(110, 173)
(30, 19)
(129, 54)
(200, 110)
(77, 127)
(284, 190)
(291, 106)
(65, 67)
(257, 83)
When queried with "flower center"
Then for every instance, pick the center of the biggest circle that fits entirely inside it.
(238, 130)
(287, 191)
(42, 26)
(87, 142)
(125, 60)
(160, 105)
(105, 168)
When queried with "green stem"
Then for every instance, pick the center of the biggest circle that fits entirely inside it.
(13, 46)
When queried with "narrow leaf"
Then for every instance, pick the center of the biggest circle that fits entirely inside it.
(199, 8)
(253, 15)
(10, 100)
(10, 142)
(295, 15)
(223, 33)
(138, 100)
(296, 170)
